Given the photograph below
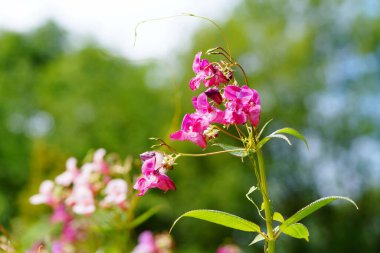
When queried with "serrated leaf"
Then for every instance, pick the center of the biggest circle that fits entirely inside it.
(278, 217)
(309, 209)
(258, 238)
(278, 134)
(297, 230)
(235, 151)
(221, 218)
(143, 217)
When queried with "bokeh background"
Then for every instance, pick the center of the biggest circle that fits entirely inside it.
(316, 64)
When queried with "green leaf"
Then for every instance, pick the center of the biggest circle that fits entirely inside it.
(143, 217)
(221, 218)
(262, 129)
(258, 238)
(278, 217)
(252, 189)
(297, 230)
(236, 151)
(279, 134)
(309, 209)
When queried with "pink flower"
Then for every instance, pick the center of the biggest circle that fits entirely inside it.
(99, 162)
(229, 248)
(45, 195)
(57, 247)
(146, 243)
(116, 192)
(192, 130)
(82, 200)
(243, 104)
(206, 73)
(208, 113)
(69, 233)
(154, 174)
(60, 214)
(67, 177)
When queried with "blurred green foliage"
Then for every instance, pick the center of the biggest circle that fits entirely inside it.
(316, 65)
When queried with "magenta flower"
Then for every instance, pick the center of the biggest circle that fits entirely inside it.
(192, 130)
(208, 113)
(206, 73)
(214, 94)
(153, 174)
(243, 104)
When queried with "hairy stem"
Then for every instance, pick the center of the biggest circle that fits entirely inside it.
(267, 204)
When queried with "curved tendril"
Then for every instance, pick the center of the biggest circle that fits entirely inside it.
(244, 74)
(186, 15)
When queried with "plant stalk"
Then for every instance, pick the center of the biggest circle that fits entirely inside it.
(267, 204)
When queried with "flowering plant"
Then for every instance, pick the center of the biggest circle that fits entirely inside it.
(95, 199)
(226, 107)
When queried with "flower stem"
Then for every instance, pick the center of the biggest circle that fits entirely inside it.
(212, 153)
(227, 133)
(267, 204)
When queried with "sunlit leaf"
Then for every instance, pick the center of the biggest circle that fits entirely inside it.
(221, 218)
(297, 230)
(258, 238)
(306, 211)
(236, 151)
(278, 217)
(279, 134)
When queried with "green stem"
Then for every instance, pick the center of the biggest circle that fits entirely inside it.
(267, 204)
(211, 153)
(227, 133)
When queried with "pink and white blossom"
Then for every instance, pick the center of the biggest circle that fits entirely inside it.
(81, 200)
(67, 177)
(45, 195)
(116, 193)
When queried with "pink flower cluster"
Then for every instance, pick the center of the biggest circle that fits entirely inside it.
(149, 243)
(226, 105)
(78, 188)
(80, 191)
(154, 168)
